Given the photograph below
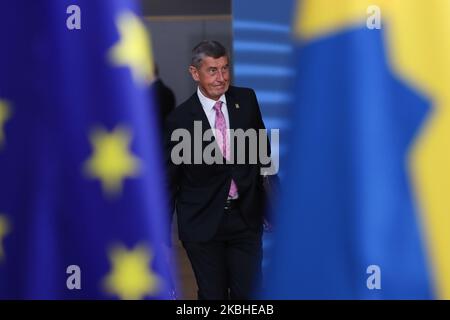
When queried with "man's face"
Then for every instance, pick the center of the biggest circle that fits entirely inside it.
(213, 76)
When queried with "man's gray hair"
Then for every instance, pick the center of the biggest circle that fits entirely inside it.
(207, 48)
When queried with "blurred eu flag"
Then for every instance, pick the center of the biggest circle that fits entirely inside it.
(82, 210)
(363, 214)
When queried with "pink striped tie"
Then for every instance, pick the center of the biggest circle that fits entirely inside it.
(221, 125)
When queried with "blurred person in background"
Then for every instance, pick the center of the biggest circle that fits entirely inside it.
(163, 96)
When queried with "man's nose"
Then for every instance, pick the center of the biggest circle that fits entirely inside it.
(220, 76)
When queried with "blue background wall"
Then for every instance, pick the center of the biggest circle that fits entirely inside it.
(263, 53)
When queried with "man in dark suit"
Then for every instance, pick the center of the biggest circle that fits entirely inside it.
(220, 206)
(164, 97)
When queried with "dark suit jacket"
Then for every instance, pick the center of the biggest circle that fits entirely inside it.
(200, 190)
(164, 98)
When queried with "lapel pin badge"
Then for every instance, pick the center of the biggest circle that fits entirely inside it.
(237, 105)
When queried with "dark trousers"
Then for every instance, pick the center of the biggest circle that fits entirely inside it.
(229, 265)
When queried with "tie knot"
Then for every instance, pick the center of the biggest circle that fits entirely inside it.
(218, 106)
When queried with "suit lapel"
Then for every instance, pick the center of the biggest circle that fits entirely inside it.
(233, 110)
(198, 113)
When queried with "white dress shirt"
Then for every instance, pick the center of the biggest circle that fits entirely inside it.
(208, 108)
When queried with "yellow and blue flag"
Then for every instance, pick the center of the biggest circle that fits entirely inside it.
(82, 209)
(365, 212)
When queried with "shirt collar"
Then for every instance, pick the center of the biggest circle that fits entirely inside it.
(207, 103)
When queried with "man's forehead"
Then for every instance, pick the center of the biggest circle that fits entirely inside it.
(213, 62)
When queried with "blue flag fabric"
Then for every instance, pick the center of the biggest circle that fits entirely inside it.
(348, 223)
(82, 210)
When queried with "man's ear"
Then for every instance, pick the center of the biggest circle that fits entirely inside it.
(194, 73)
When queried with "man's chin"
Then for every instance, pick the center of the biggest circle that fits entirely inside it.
(218, 94)
(221, 91)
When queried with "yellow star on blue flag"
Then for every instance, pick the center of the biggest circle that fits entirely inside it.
(133, 49)
(112, 160)
(131, 276)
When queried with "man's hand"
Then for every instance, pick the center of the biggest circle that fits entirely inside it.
(267, 226)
